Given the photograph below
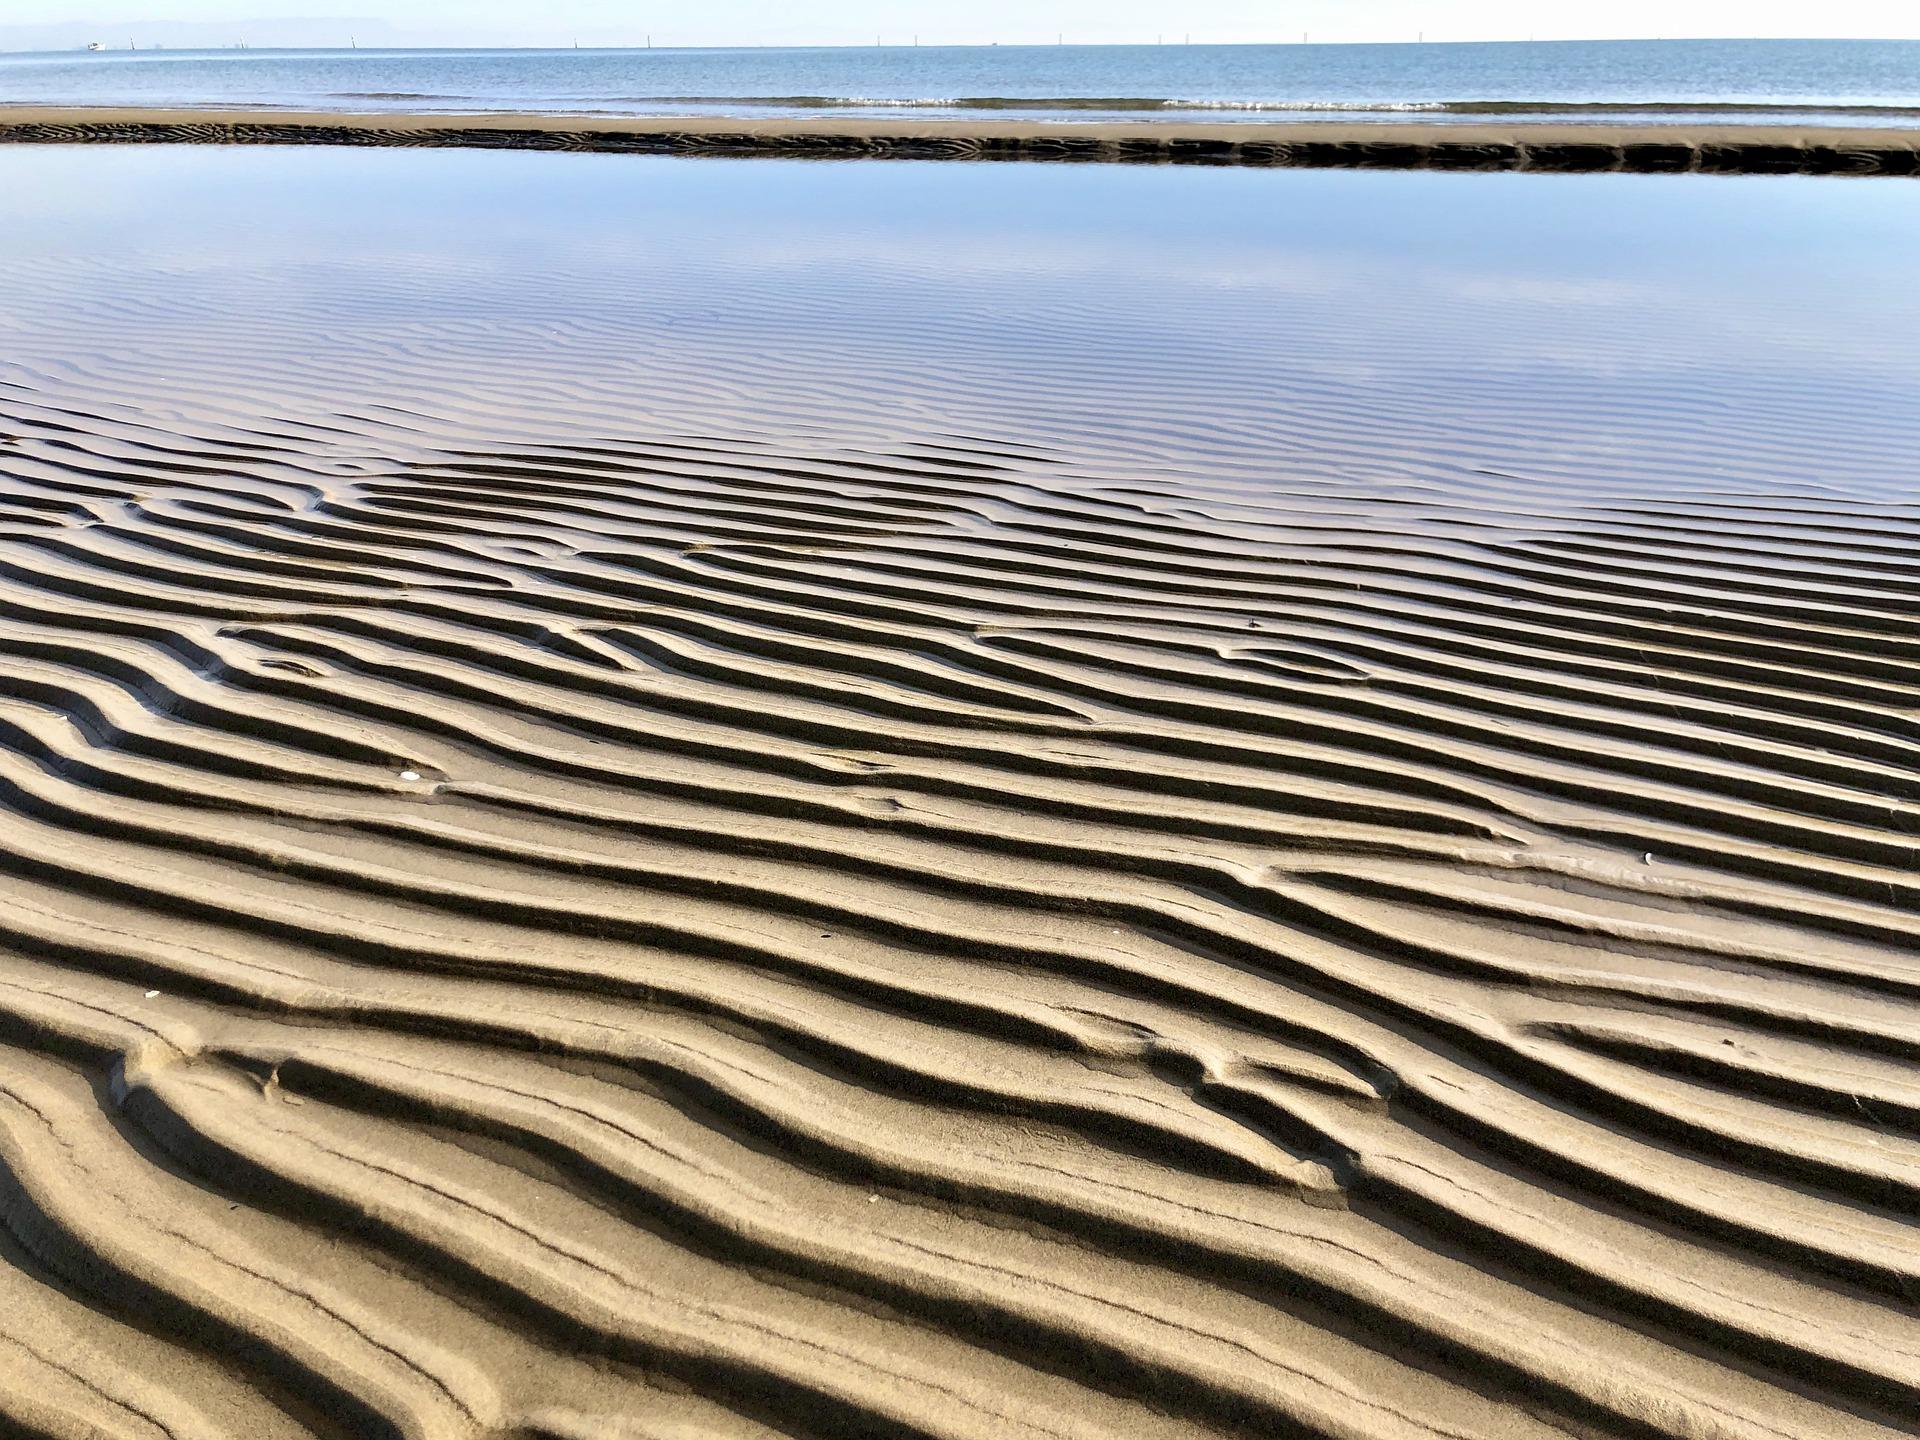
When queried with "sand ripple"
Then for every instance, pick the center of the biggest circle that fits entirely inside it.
(726, 935)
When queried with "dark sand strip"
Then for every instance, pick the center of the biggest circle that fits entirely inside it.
(1749, 149)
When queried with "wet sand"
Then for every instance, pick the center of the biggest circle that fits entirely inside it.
(1734, 149)
(589, 849)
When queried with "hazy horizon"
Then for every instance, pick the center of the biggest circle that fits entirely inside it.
(106, 36)
(607, 24)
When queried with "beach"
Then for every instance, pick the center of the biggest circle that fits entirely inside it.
(646, 798)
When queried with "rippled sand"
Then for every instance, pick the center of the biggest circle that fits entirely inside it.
(800, 829)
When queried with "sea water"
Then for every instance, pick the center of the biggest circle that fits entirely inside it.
(1684, 81)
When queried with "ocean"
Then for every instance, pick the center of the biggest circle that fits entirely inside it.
(1682, 81)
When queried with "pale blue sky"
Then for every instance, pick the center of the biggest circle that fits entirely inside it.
(978, 21)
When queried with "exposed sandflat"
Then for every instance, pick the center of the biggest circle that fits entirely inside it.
(1478, 146)
(603, 893)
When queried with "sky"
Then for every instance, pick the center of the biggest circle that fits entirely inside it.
(27, 23)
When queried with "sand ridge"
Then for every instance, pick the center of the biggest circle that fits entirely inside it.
(1656, 148)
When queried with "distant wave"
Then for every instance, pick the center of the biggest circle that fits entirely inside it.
(395, 95)
(1008, 102)
(1640, 107)
(1138, 102)
(1142, 104)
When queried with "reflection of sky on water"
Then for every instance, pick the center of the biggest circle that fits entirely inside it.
(1760, 317)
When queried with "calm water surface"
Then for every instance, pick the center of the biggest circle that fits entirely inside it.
(1740, 334)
